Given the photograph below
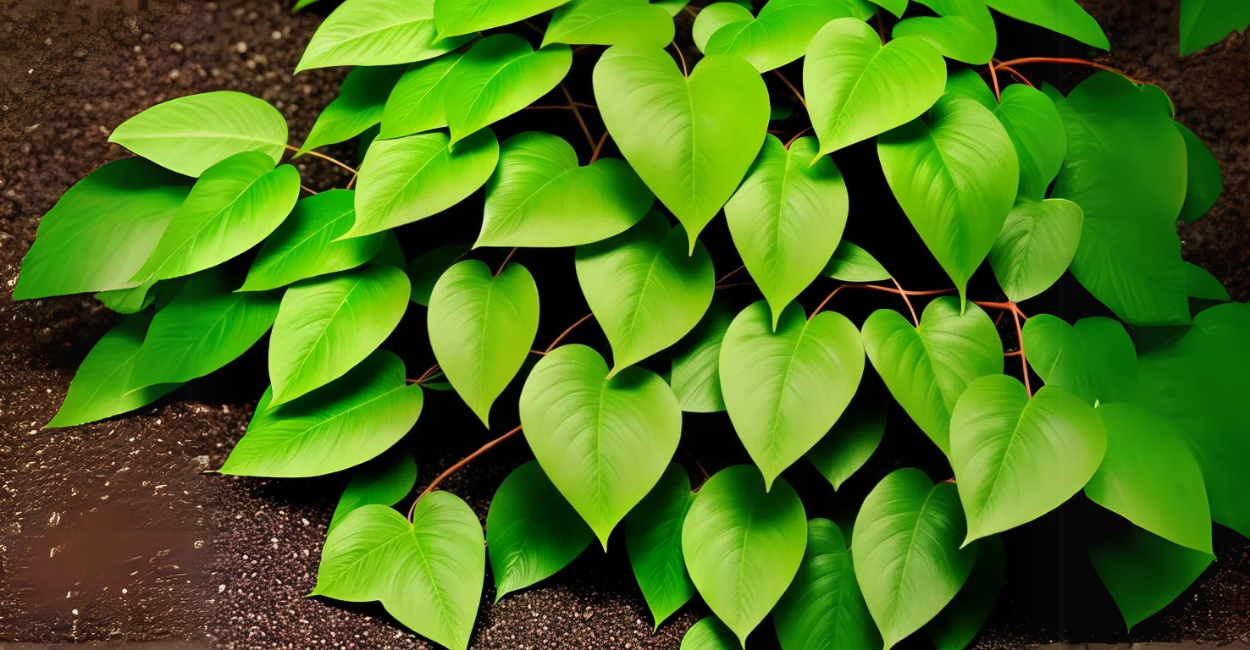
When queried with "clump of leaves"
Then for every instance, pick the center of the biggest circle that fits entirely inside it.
(204, 246)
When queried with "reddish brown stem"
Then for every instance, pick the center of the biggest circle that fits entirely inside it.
(599, 147)
(797, 136)
(308, 189)
(730, 274)
(590, 139)
(1016, 73)
(505, 262)
(872, 287)
(1024, 360)
(464, 461)
(677, 48)
(322, 156)
(998, 93)
(425, 375)
(566, 332)
(1063, 60)
(792, 88)
(907, 300)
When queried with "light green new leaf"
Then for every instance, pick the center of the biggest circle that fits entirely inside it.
(456, 17)
(851, 441)
(428, 573)
(531, 531)
(787, 218)
(782, 31)
(1151, 477)
(539, 197)
(696, 363)
(416, 103)
(1036, 245)
(497, 77)
(1016, 458)
(1062, 16)
(327, 325)
(908, 559)
(1036, 130)
(786, 388)
(340, 425)
(955, 173)
(1094, 359)
(714, 16)
(1142, 571)
(102, 230)
(360, 103)
(645, 291)
(408, 179)
(743, 545)
(963, 30)
(425, 270)
(856, 88)
(850, 263)
(957, 626)
(709, 634)
(482, 327)
(1204, 286)
(676, 132)
(603, 442)
(385, 480)
(1205, 181)
(1207, 22)
(653, 538)
(377, 32)
(927, 368)
(190, 134)
(823, 608)
(610, 22)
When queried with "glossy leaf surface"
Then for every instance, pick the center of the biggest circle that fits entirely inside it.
(386, 480)
(611, 22)
(850, 443)
(360, 103)
(653, 538)
(850, 263)
(416, 104)
(1035, 246)
(377, 32)
(782, 30)
(1093, 359)
(455, 17)
(695, 376)
(497, 77)
(1063, 16)
(823, 607)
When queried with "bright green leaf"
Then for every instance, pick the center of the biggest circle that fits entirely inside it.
(1093, 359)
(425, 270)
(850, 263)
(957, 626)
(1205, 179)
(1207, 22)
(385, 480)
(653, 538)
(709, 634)
(696, 363)
(610, 22)
(962, 30)
(1204, 286)
(1143, 571)
(455, 17)
(896, 7)
(782, 31)
(714, 16)
(416, 104)
(1035, 247)
(497, 77)
(850, 443)
(1036, 130)
(1062, 16)
(362, 97)
(377, 32)
(823, 608)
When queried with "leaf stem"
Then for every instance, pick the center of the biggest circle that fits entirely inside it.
(566, 332)
(590, 139)
(425, 375)
(873, 287)
(316, 154)
(505, 262)
(677, 48)
(1024, 360)
(308, 189)
(464, 461)
(797, 136)
(1061, 60)
(792, 88)
(907, 300)
(998, 91)
(599, 147)
(730, 274)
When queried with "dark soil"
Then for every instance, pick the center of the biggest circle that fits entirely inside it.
(115, 530)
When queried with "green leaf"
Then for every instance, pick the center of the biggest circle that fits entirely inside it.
(1126, 169)
(362, 97)
(415, 104)
(190, 134)
(101, 231)
(782, 31)
(1203, 285)
(653, 538)
(715, 16)
(327, 325)
(1036, 130)
(850, 263)
(234, 205)
(1151, 477)
(531, 531)
(386, 480)
(896, 7)
(743, 544)
(857, 88)
(927, 368)
(428, 573)
(539, 197)
(786, 388)
(787, 218)
(377, 32)
(851, 441)
(1205, 180)
(497, 77)
(709, 634)
(408, 179)
(455, 17)
(970, 84)
(644, 290)
(1062, 16)
(695, 376)
(304, 245)
(963, 30)
(603, 442)
(823, 608)
(1143, 571)
(1016, 458)
(425, 270)
(957, 626)
(481, 328)
(1094, 359)
(1036, 245)
(676, 132)
(1207, 22)
(611, 22)
(340, 425)
(907, 556)
(955, 174)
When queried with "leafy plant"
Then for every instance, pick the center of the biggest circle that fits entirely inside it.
(202, 246)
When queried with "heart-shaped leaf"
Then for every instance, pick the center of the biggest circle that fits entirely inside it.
(610, 22)
(675, 131)
(539, 197)
(497, 77)
(1142, 571)
(709, 634)
(653, 538)
(963, 30)
(850, 443)
(714, 16)
(385, 480)
(1093, 359)
(1016, 458)
(360, 103)
(857, 88)
(781, 32)
(416, 103)
(850, 263)
(1204, 286)
(1036, 245)
(1036, 130)
(743, 545)
(377, 32)
(603, 442)
(456, 17)
(481, 329)
(823, 608)
(786, 388)
(696, 363)
(787, 218)
(1063, 16)
(1205, 181)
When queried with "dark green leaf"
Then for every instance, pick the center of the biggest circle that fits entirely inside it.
(653, 538)
(851, 441)
(358, 106)
(385, 480)
(823, 608)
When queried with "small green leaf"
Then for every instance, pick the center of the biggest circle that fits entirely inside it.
(359, 106)
(963, 30)
(1143, 571)
(1205, 179)
(1204, 286)
(653, 538)
(385, 480)
(851, 441)
(850, 263)
(377, 32)
(714, 16)
(1094, 359)
(896, 7)
(957, 626)
(610, 22)
(497, 77)
(1062, 16)
(1036, 130)
(455, 17)
(823, 608)
(782, 31)
(1036, 245)
(425, 270)
(709, 634)
(695, 376)
(1207, 22)
(970, 84)
(416, 103)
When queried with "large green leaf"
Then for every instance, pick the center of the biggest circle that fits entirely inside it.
(531, 531)
(653, 538)
(377, 32)
(787, 218)
(1063, 16)
(851, 441)
(101, 231)
(906, 548)
(360, 103)
(1016, 458)
(428, 573)
(1093, 359)
(603, 442)
(850, 263)
(340, 425)
(643, 288)
(1142, 571)
(610, 22)
(327, 325)
(234, 205)
(497, 77)
(190, 134)
(415, 104)
(539, 197)
(408, 179)
(1035, 246)
(1207, 22)
(955, 173)
(714, 16)
(481, 329)
(957, 626)
(743, 545)
(455, 17)
(1205, 181)
(962, 30)
(709, 634)
(782, 31)
(1036, 130)
(1126, 169)
(696, 363)
(786, 388)
(857, 88)
(385, 480)
(927, 368)
(823, 608)
(676, 132)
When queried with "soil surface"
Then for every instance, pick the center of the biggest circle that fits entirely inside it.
(119, 530)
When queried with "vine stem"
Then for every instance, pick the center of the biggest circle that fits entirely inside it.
(1016, 73)
(316, 154)
(730, 275)
(1024, 360)
(677, 48)
(505, 262)
(792, 88)
(797, 136)
(590, 139)
(599, 147)
(1063, 60)
(907, 300)
(565, 333)
(464, 461)
(308, 189)
(998, 92)
(873, 287)
(425, 375)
